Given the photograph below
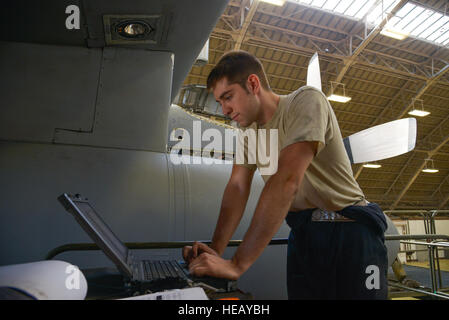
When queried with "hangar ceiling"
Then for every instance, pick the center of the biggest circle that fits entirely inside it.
(386, 78)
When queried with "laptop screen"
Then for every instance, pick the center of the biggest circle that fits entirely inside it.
(97, 229)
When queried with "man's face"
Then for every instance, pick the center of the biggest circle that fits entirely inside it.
(236, 102)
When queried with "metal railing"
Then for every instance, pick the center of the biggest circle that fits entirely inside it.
(283, 241)
(233, 243)
(434, 271)
(429, 217)
(145, 245)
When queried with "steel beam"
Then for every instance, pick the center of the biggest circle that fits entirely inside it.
(349, 62)
(426, 86)
(439, 186)
(416, 174)
(443, 203)
(245, 25)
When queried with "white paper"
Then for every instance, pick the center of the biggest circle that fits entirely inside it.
(195, 293)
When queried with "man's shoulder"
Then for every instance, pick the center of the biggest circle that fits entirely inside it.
(306, 91)
(305, 96)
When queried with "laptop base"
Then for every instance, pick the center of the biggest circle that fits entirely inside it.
(106, 283)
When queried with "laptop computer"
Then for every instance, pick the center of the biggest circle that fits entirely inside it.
(153, 275)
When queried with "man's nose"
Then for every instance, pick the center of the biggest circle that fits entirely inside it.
(226, 109)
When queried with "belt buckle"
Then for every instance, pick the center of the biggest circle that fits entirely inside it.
(320, 215)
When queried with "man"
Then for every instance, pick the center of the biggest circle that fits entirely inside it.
(336, 246)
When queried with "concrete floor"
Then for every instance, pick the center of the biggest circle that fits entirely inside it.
(444, 264)
(419, 271)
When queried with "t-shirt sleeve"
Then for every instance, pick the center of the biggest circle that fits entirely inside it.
(307, 119)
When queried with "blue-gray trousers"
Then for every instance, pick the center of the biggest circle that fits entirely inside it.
(338, 260)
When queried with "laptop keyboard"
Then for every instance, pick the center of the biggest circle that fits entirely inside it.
(164, 269)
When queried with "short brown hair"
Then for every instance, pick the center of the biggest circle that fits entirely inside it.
(236, 67)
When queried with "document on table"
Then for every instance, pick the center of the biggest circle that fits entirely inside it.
(195, 293)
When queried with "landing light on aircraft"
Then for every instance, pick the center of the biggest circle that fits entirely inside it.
(133, 29)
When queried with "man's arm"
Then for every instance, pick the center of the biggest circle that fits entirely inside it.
(273, 205)
(233, 205)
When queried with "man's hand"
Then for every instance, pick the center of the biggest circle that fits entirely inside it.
(204, 261)
(189, 253)
(213, 265)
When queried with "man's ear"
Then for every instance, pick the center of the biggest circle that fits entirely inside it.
(253, 83)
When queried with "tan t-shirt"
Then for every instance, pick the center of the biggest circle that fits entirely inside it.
(306, 115)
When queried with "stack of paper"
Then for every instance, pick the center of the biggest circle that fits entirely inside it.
(196, 293)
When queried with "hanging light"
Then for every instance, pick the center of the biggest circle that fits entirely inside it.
(418, 109)
(373, 165)
(431, 168)
(275, 2)
(390, 31)
(419, 113)
(394, 33)
(336, 97)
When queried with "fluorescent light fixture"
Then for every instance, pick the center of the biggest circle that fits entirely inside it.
(275, 2)
(338, 98)
(418, 108)
(431, 168)
(372, 165)
(428, 170)
(393, 33)
(419, 113)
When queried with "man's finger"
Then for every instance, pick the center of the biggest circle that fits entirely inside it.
(199, 247)
(195, 249)
(204, 247)
(198, 261)
(186, 252)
